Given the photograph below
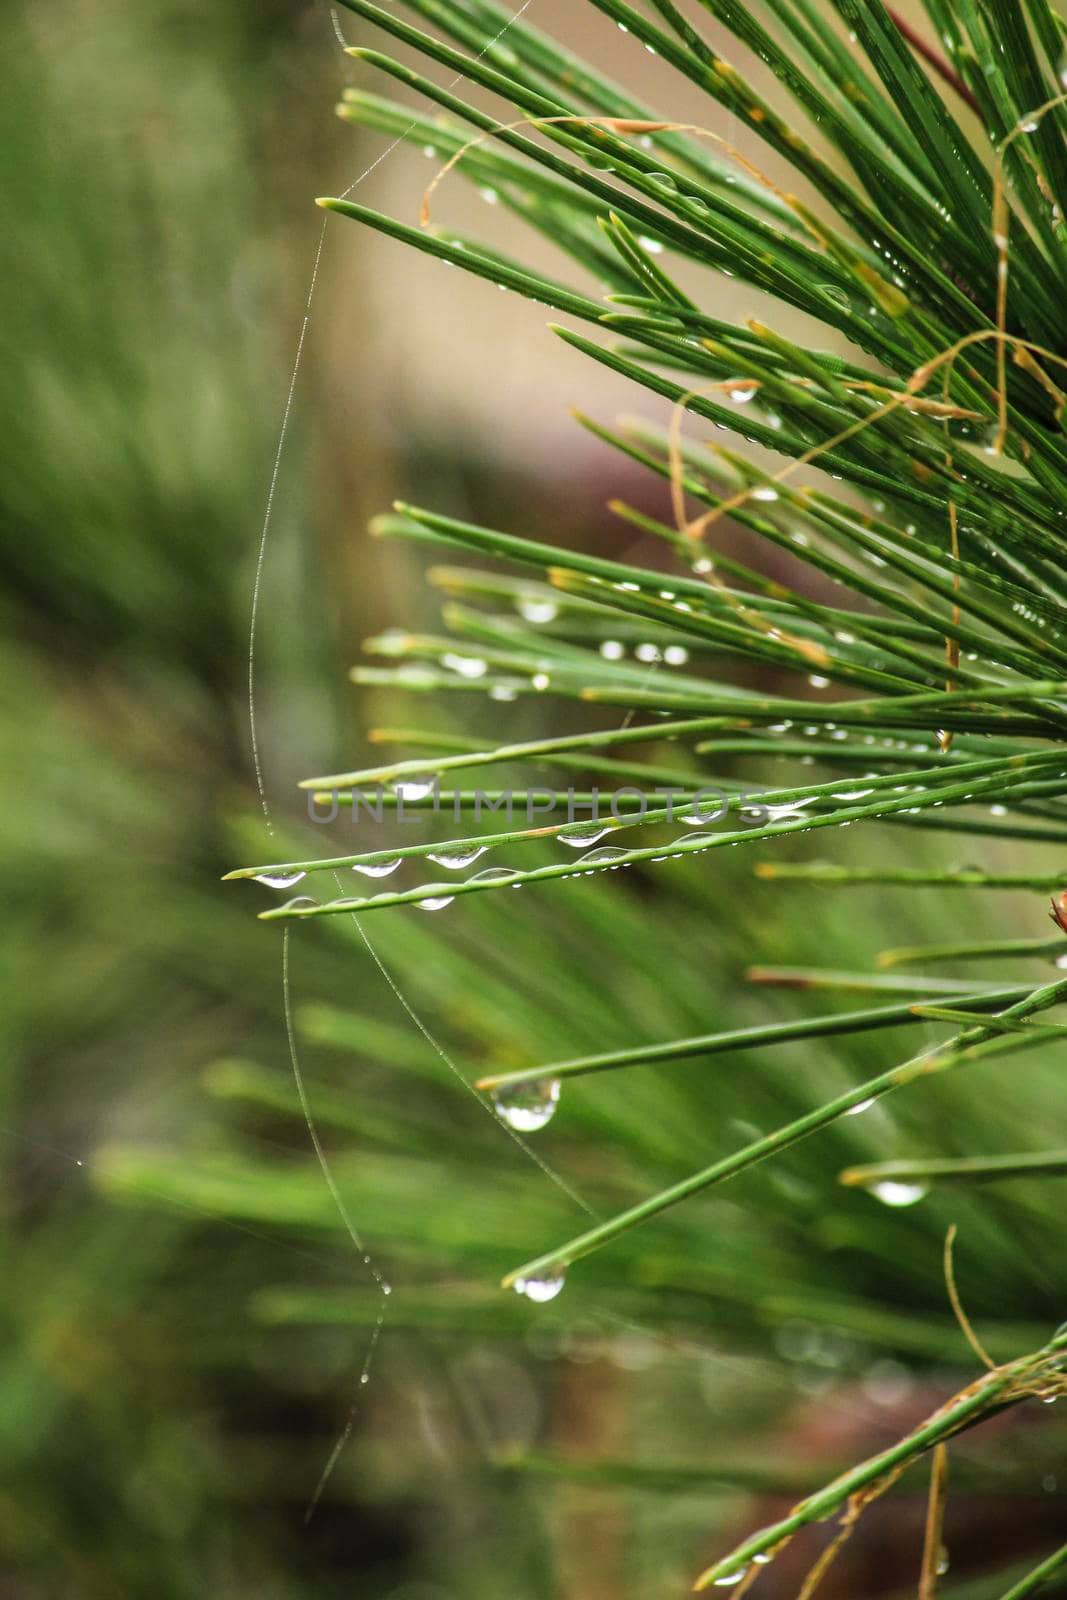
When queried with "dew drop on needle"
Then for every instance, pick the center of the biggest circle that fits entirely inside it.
(280, 880)
(526, 1107)
(456, 860)
(583, 834)
(899, 1194)
(376, 869)
(541, 1288)
(413, 790)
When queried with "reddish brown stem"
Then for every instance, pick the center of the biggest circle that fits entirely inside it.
(936, 62)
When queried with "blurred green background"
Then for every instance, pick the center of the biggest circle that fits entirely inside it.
(183, 1322)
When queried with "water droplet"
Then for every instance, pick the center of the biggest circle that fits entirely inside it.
(376, 869)
(1028, 124)
(899, 1194)
(647, 652)
(299, 903)
(728, 1579)
(540, 680)
(695, 842)
(612, 650)
(489, 196)
(578, 834)
(676, 655)
(466, 666)
(702, 565)
(413, 789)
(280, 880)
(456, 860)
(435, 902)
(741, 390)
(864, 1105)
(818, 682)
(602, 857)
(546, 1286)
(526, 1107)
(653, 246)
(838, 296)
(535, 610)
(765, 492)
(788, 812)
(1061, 962)
(705, 811)
(503, 691)
(495, 875)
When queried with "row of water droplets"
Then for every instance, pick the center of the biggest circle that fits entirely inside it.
(457, 856)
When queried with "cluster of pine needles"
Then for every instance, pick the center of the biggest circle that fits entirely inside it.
(919, 596)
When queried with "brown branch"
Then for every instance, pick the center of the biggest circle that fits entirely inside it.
(934, 61)
(933, 1549)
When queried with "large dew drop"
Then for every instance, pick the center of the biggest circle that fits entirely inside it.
(583, 833)
(899, 1194)
(608, 855)
(496, 875)
(546, 1286)
(280, 880)
(533, 609)
(377, 869)
(456, 860)
(728, 1579)
(702, 812)
(466, 666)
(838, 296)
(526, 1107)
(435, 902)
(411, 790)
